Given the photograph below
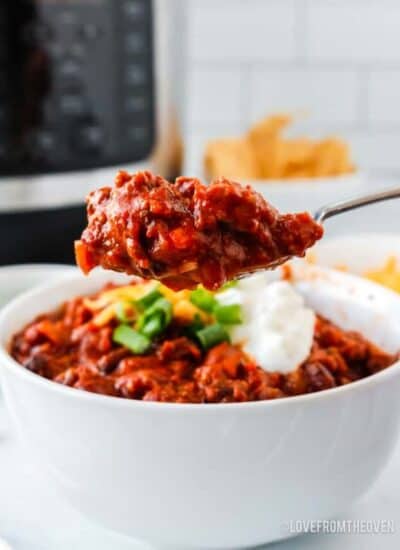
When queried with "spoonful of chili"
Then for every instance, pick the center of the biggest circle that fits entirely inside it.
(185, 233)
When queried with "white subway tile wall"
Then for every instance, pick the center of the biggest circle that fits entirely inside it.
(205, 105)
(384, 97)
(336, 63)
(236, 30)
(327, 97)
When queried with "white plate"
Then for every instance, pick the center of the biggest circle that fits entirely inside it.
(358, 253)
(15, 279)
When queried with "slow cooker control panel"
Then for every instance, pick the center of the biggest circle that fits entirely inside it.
(77, 84)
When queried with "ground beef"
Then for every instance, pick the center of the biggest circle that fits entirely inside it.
(187, 233)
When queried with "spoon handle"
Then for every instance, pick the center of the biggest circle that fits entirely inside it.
(344, 206)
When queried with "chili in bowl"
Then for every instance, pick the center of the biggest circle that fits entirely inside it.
(144, 341)
(163, 471)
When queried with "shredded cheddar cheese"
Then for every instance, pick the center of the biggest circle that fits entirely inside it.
(388, 275)
(185, 310)
(105, 315)
(105, 305)
(128, 292)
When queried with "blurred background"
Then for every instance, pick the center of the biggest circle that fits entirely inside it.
(298, 97)
(337, 61)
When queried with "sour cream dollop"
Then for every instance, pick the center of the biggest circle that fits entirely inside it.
(277, 327)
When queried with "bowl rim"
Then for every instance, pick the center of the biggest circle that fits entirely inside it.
(29, 270)
(36, 266)
(354, 179)
(388, 238)
(7, 361)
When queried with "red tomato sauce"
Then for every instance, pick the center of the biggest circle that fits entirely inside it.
(185, 233)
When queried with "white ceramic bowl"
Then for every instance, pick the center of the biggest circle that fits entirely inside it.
(15, 279)
(358, 253)
(212, 476)
(310, 194)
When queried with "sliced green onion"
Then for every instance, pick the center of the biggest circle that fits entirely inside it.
(131, 339)
(164, 306)
(162, 309)
(148, 299)
(120, 312)
(228, 315)
(153, 326)
(212, 335)
(194, 326)
(197, 322)
(203, 299)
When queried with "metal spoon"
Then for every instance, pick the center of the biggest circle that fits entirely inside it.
(352, 204)
(332, 210)
(320, 216)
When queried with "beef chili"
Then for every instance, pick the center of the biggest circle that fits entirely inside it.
(185, 233)
(146, 342)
